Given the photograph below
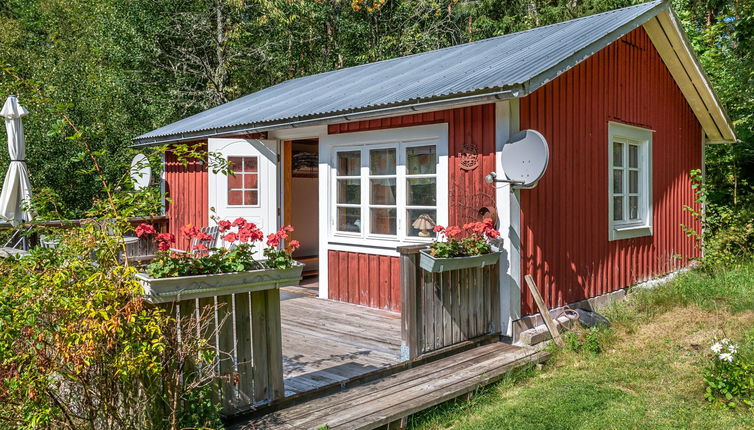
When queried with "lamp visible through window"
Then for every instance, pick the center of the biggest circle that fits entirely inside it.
(424, 223)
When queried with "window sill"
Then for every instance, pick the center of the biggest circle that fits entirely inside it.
(630, 232)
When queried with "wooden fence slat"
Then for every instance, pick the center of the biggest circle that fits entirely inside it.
(244, 349)
(226, 344)
(259, 345)
(274, 345)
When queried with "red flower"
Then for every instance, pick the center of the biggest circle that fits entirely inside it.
(145, 229)
(239, 222)
(438, 228)
(204, 237)
(163, 246)
(224, 226)
(273, 240)
(200, 247)
(295, 244)
(452, 231)
(230, 237)
(189, 230)
(165, 237)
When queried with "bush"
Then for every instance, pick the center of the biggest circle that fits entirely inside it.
(79, 348)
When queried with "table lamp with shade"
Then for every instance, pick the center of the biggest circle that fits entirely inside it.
(424, 224)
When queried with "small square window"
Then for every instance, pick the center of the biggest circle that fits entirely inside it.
(243, 183)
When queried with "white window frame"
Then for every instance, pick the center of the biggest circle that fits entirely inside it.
(243, 185)
(399, 138)
(642, 137)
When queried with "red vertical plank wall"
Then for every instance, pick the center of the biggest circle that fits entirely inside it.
(564, 220)
(186, 187)
(373, 280)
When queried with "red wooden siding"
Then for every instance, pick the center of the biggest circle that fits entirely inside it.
(564, 221)
(187, 187)
(373, 280)
(365, 279)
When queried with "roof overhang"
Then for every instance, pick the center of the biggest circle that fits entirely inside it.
(673, 46)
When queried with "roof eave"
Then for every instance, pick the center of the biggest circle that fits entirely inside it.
(456, 100)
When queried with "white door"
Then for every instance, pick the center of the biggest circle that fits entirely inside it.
(252, 192)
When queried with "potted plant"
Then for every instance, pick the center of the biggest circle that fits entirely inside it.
(462, 247)
(208, 271)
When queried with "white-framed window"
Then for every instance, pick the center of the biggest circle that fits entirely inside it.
(388, 186)
(630, 181)
(243, 184)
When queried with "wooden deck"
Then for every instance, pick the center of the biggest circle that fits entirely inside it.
(389, 399)
(327, 342)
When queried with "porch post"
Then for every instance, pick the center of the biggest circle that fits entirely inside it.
(410, 305)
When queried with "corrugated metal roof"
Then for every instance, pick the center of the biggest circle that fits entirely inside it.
(519, 61)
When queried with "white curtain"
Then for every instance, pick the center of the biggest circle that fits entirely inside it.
(16, 191)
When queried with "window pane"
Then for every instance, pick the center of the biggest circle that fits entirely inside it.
(250, 164)
(421, 191)
(349, 191)
(235, 198)
(383, 191)
(383, 221)
(633, 156)
(617, 208)
(633, 207)
(421, 160)
(349, 163)
(617, 181)
(251, 198)
(235, 163)
(235, 181)
(617, 154)
(420, 222)
(349, 219)
(633, 181)
(382, 161)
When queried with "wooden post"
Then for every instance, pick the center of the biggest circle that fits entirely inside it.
(544, 311)
(411, 328)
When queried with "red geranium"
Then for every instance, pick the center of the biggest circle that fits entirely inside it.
(145, 229)
(224, 225)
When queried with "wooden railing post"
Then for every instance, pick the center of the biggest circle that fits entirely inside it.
(411, 312)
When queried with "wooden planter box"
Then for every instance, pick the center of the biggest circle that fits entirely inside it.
(166, 290)
(437, 265)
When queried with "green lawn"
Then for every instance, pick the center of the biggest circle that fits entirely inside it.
(649, 374)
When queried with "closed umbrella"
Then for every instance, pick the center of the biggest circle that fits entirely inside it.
(16, 192)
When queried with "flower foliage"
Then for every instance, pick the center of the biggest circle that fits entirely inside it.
(730, 375)
(472, 239)
(240, 237)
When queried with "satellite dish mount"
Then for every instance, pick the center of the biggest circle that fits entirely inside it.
(524, 159)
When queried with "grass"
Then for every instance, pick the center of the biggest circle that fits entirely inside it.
(648, 375)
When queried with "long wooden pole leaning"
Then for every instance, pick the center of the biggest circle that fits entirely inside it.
(544, 312)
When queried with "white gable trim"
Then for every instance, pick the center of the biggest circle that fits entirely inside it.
(670, 41)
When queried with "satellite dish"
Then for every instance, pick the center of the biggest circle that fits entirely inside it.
(141, 172)
(524, 158)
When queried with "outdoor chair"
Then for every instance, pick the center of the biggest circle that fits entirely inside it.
(213, 231)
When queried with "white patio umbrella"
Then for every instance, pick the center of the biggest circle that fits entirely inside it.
(16, 191)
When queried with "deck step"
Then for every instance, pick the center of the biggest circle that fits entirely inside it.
(397, 396)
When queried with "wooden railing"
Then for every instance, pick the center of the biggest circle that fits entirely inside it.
(245, 330)
(443, 309)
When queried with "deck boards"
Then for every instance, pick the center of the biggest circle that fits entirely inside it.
(393, 397)
(326, 342)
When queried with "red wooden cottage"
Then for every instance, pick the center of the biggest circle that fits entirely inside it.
(353, 157)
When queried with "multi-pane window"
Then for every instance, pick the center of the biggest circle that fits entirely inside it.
(348, 191)
(386, 190)
(243, 184)
(630, 175)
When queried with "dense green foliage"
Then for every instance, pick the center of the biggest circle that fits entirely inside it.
(80, 349)
(123, 68)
